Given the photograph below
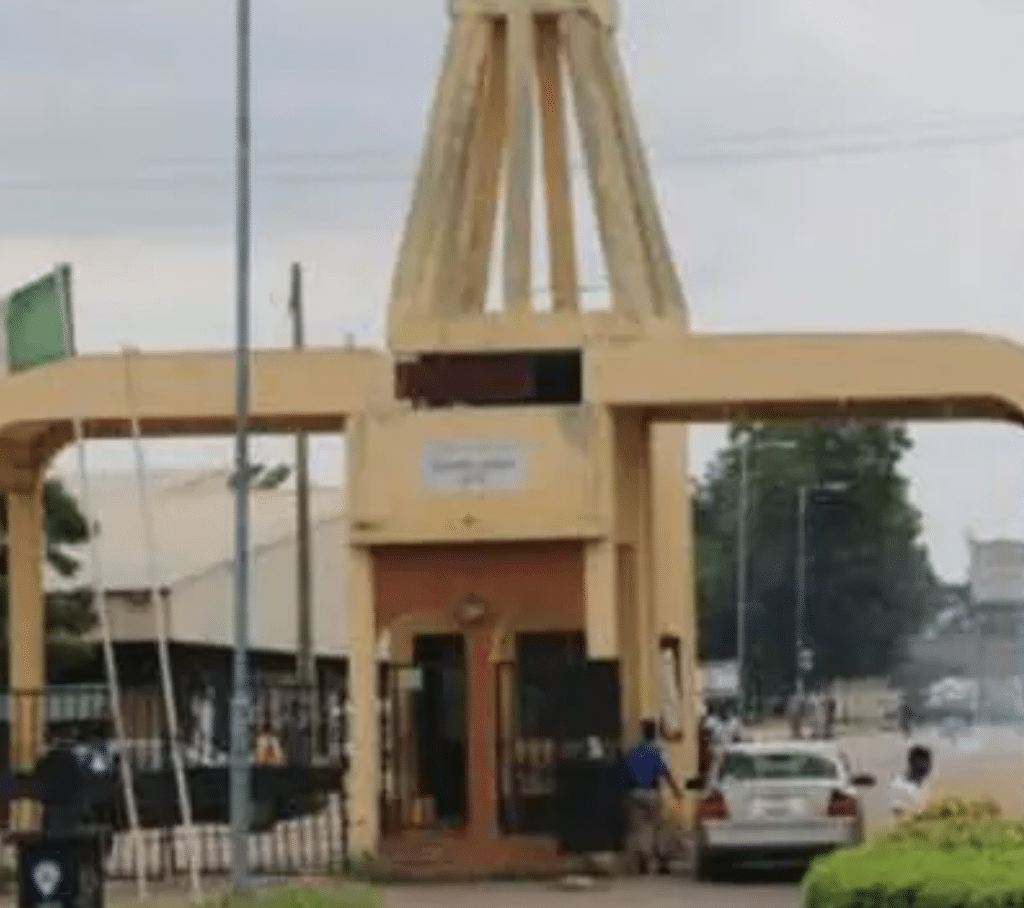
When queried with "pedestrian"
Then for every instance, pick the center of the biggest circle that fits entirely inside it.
(648, 771)
(906, 716)
(909, 793)
(796, 709)
(63, 781)
(269, 751)
(705, 753)
(731, 729)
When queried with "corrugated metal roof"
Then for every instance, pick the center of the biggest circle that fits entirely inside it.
(193, 524)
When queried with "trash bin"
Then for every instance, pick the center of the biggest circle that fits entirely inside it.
(60, 869)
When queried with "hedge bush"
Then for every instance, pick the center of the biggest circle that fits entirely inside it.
(954, 854)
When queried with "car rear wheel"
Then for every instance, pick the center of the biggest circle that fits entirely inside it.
(712, 868)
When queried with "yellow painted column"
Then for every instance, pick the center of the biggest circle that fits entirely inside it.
(634, 582)
(602, 618)
(364, 719)
(26, 629)
(600, 570)
(674, 577)
(647, 630)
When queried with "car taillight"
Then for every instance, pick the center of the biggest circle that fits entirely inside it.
(843, 805)
(712, 807)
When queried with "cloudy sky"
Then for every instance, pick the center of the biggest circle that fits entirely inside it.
(847, 164)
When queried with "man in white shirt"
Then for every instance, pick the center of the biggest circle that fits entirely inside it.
(908, 793)
(731, 729)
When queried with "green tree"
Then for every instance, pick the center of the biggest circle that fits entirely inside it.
(68, 614)
(869, 583)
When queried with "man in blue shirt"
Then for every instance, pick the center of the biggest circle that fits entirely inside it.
(647, 771)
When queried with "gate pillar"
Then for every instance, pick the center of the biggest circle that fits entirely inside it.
(364, 726)
(481, 729)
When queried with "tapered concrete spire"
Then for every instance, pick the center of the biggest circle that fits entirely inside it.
(516, 73)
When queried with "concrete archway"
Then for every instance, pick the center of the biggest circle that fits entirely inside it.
(588, 474)
(926, 375)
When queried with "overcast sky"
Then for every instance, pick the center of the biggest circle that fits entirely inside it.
(823, 164)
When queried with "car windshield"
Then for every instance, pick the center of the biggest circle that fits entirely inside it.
(750, 766)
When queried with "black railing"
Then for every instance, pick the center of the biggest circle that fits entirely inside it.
(400, 802)
(530, 741)
(300, 762)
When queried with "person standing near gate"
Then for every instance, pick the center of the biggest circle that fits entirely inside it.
(645, 810)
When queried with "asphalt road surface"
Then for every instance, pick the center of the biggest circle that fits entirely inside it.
(645, 893)
(983, 762)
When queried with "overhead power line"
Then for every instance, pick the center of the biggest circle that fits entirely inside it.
(360, 167)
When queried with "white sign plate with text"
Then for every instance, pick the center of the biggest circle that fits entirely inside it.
(475, 466)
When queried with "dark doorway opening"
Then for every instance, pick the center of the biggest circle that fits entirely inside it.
(440, 720)
(538, 654)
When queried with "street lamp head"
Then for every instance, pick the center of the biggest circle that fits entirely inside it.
(776, 444)
(836, 486)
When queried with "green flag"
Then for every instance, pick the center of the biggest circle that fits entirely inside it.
(37, 325)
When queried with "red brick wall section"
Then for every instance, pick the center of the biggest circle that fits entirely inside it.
(521, 584)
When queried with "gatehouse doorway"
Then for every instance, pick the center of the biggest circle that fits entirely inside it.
(439, 717)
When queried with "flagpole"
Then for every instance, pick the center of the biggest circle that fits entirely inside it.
(102, 606)
(240, 721)
(158, 606)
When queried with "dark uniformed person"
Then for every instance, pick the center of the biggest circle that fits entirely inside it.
(63, 784)
(647, 771)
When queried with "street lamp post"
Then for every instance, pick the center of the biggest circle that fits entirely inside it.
(743, 550)
(803, 654)
(803, 494)
(742, 560)
(240, 793)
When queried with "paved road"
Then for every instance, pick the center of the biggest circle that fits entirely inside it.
(987, 762)
(648, 893)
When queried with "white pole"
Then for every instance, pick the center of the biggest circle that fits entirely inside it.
(163, 656)
(102, 603)
(801, 584)
(742, 560)
(241, 791)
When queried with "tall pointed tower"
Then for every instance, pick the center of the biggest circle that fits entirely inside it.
(498, 518)
(520, 79)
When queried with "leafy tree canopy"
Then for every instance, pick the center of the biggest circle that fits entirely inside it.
(68, 614)
(869, 582)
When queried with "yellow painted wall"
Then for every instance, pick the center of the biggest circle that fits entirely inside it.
(548, 488)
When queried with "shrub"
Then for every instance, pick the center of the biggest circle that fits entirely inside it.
(887, 875)
(954, 808)
(954, 854)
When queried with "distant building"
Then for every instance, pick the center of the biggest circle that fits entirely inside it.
(191, 567)
(995, 574)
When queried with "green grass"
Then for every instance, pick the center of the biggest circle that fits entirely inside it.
(326, 896)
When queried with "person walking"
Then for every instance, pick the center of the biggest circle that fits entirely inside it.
(648, 771)
(268, 749)
(796, 709)
(908, 793)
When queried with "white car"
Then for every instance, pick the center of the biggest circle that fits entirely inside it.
(778, 800)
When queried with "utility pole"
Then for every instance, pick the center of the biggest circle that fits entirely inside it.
(241, 793)
(801, 584)
(305, 662)
(742, 561)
